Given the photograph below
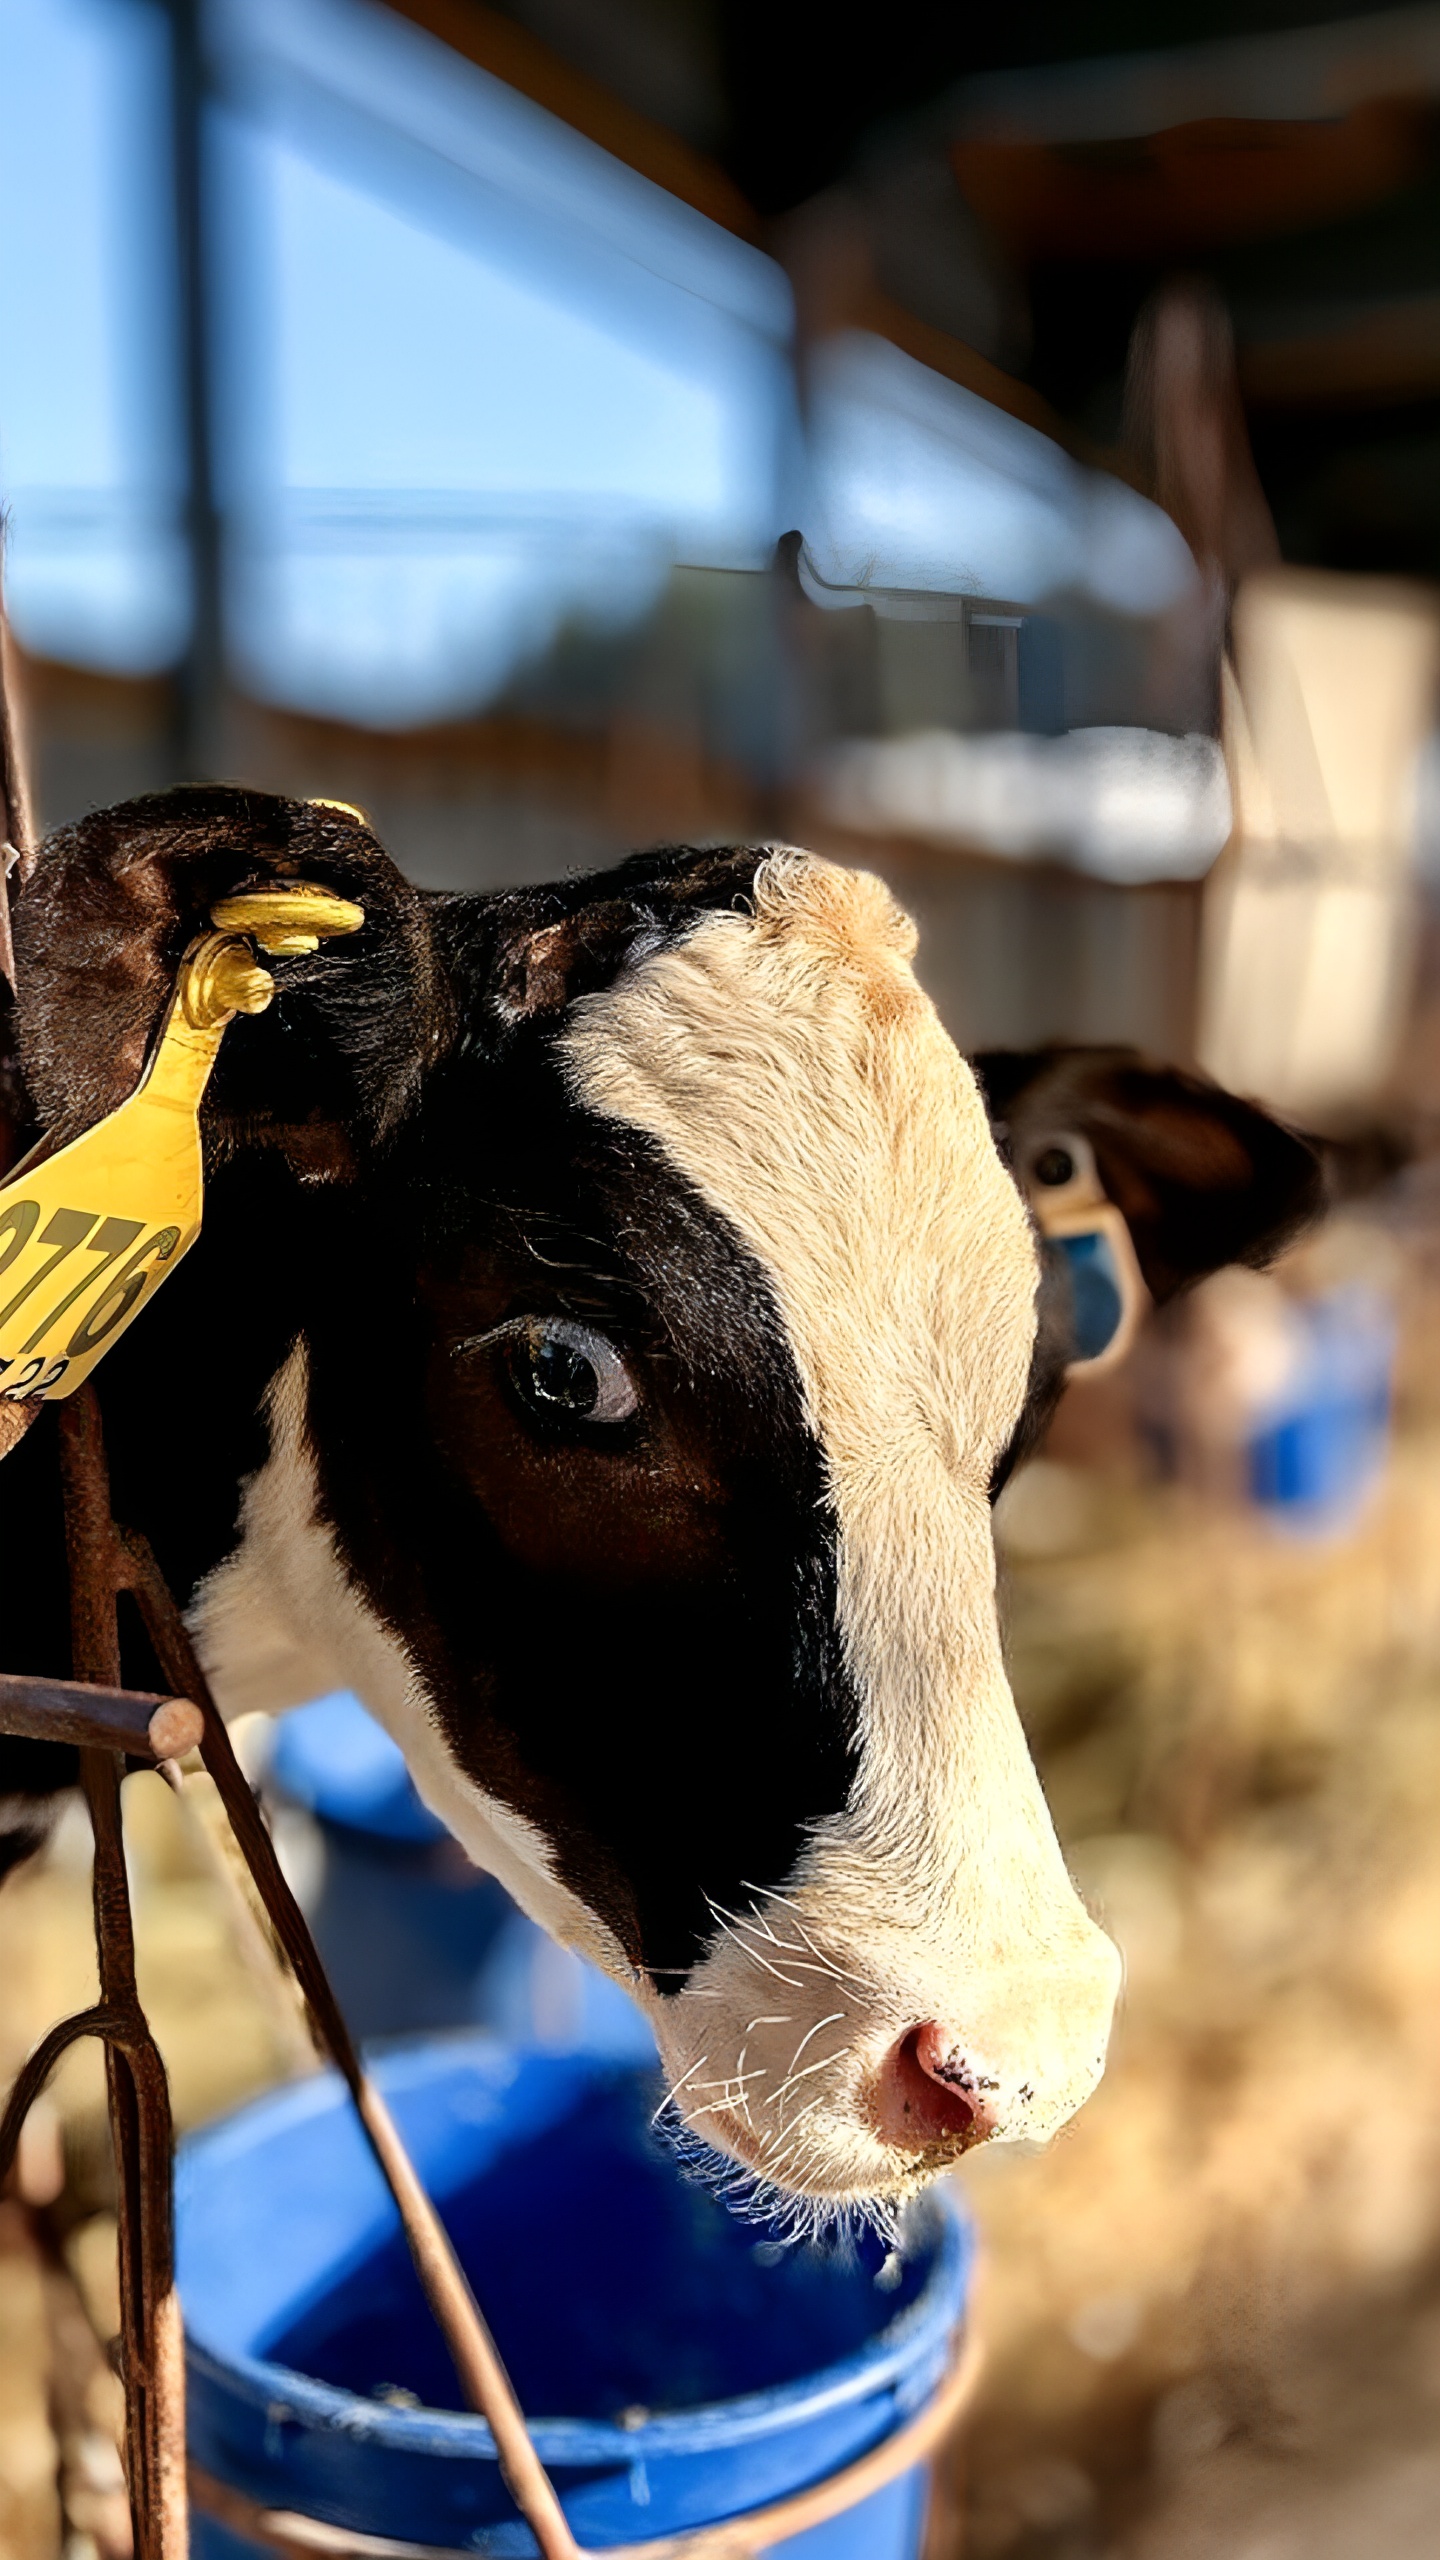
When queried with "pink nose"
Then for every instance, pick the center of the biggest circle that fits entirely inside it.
(929, 2092)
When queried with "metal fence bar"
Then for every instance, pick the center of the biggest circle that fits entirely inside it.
(138, 2095)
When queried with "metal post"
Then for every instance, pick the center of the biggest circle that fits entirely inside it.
(140, 2125)
(201, 704)
(17, 823)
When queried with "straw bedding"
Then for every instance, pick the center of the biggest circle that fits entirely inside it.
(1214, 2304)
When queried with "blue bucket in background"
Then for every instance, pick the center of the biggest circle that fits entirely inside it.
(678, 2367)
(1318, 1447)
(414, 1938)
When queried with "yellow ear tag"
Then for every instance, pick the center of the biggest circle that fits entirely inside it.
(88, 1234)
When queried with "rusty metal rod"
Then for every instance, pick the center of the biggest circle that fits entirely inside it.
(144, 1724)
(477, 2359)
(17, 823)
(98, 2021)
(7, 939)
(17, 826)
(109, 1730)
(139, 2102)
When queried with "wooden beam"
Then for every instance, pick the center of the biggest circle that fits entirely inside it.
(523, 62)
(1369, 359)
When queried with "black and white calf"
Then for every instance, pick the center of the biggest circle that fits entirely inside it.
(613, 1316)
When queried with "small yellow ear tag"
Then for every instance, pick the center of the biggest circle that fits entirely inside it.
(88, 1234)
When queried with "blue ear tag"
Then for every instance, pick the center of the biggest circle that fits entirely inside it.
(1097, 1292)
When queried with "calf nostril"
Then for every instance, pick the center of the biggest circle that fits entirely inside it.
(931, 2092)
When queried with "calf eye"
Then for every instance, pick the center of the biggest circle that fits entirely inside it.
(566, 1372)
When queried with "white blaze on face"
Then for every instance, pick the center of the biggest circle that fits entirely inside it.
(793, 1071)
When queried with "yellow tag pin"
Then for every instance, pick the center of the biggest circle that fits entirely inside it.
(125, 1200)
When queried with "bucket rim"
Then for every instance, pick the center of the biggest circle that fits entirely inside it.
(282, 2393)
(902, 2359)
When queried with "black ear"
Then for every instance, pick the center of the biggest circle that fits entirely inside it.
(105, 920)
(531, 952)
(1200, 1178)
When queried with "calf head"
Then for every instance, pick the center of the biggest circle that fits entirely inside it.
(1140, 1179)
(641, 1313)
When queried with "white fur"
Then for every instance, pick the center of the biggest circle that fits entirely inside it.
(794, 1072)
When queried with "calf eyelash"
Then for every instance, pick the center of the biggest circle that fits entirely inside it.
(569, 1375)
(484, 1341)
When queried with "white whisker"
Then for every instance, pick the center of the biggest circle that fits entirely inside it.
(828, 1963)
(754, 1955)
(834, 2019)
(672, 2094)
(742, 2078)
(826, 2063)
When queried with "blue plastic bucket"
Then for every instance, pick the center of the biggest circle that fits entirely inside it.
(414, 1938)
(1318, 1448)
(678, 2367)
